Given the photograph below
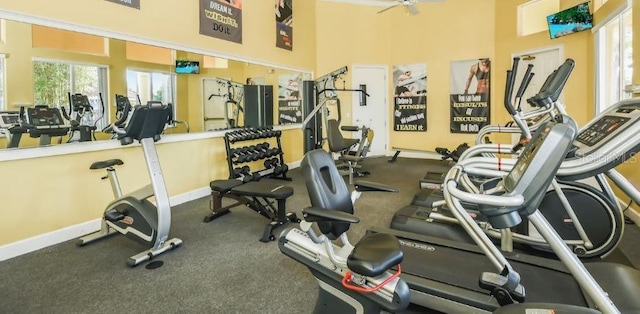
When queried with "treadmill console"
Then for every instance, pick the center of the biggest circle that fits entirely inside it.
(9, 119)
(612, 123)
(45, 117)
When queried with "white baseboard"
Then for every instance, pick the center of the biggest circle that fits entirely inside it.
(38, 242)
(633, 215)
(294, 165)
(190, 196)
(25, 246)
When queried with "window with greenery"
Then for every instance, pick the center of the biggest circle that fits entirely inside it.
(53, 81)
(144, 86)
(614, 60)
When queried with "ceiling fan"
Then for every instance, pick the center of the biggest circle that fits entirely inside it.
(409, 4)
(389, 4)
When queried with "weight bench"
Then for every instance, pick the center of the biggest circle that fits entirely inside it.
(259, 196)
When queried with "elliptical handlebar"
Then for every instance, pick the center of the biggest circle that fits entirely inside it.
(511, 77)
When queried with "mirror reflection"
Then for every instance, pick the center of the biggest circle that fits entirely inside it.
(59, 86)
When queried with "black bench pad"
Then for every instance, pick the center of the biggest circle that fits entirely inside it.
(224, 186)
(374, 254)
(263, 189)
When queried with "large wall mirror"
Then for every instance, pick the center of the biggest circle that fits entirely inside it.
(64, 79)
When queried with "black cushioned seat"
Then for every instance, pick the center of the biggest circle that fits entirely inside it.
(224, 186)
(106, 164)
(263, 189)
(374, 254)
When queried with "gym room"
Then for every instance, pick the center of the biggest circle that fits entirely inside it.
(472, 156)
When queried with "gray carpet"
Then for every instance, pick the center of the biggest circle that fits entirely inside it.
(220, 268)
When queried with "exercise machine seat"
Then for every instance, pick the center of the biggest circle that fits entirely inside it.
(224, 186)
(621, 282)
(263, 189)
(337, 143)
(374, 254)
(106, 164)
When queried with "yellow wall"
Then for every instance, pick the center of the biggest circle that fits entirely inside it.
(177, 22)
(394, 38)
(475, 29)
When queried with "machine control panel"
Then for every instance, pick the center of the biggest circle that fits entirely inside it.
(45, 117)
(603, 127)
(620, 118)
(9, 119)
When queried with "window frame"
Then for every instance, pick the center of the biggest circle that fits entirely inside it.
(172, 82)
(103, 83)
(601, 58)
(3, 82)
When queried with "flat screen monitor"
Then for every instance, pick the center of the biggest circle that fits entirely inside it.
(187, 67)
(572, 20)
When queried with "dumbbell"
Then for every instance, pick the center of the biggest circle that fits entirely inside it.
(280, 169)
(271, 163)
(241, 172)
(237, 152)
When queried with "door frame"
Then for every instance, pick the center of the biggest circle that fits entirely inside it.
(386, 100)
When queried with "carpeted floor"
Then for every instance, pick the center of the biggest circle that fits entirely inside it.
(220, 268)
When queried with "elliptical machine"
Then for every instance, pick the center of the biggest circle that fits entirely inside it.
(132, 214)
(82, 118)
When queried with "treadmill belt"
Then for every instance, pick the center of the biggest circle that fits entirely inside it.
(463, 269)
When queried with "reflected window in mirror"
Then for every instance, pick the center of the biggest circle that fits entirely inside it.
(3, 85)
(144, 86)
(55, 82)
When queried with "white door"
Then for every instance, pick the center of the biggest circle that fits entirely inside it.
(375, 114)
(214, 96)
(544, 63)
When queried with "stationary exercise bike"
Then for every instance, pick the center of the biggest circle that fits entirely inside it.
(133, 214)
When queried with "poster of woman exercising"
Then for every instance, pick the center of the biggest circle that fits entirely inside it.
(410, 97)
(469, 95)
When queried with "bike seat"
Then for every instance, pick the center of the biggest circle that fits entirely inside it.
(374, 254)
(106, 163)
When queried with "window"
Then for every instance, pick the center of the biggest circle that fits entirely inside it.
(143, 86)
(3, 87)
(614, 60)
(532, 16)
(54, 80)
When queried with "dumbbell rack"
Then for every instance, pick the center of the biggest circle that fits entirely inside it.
(232, 138)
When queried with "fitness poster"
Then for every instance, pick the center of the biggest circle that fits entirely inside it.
(221, 19)
(410, 97)
(284, 20)
(129, 3)
(469, 98)
(289, 106)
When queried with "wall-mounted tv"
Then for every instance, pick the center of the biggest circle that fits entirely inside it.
(569, 21)
(187, 67)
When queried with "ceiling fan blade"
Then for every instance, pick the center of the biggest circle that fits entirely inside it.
(387, 8)
(412, 9)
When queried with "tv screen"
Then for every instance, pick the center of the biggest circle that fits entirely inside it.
(187, 67)
(569, 21)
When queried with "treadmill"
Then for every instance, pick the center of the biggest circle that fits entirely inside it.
(11, 127)
(455, 277)
(44, 122)
(591, 157)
